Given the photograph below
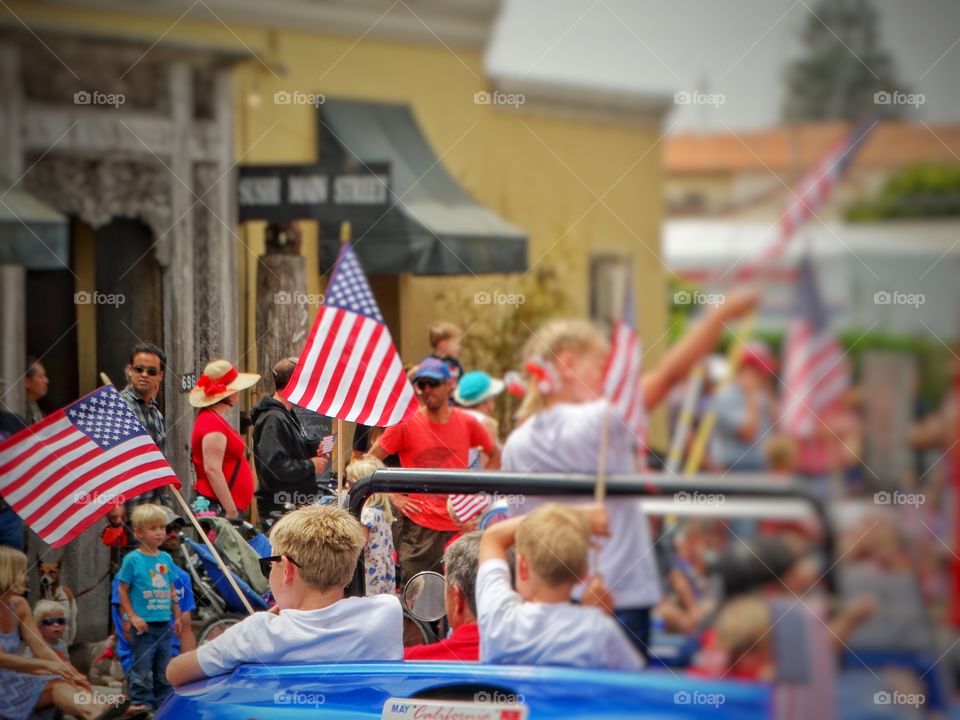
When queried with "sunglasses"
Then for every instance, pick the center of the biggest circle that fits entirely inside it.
(266, 564)
(428, 383)
(47, 622)
(141, 369)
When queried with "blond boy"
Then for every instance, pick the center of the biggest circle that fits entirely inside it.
(536, 624)
(149, 603)
(316, 548)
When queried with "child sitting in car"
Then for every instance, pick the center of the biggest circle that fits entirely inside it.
(316, 548)
(536, 624)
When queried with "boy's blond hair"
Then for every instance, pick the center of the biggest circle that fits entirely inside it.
(443, 330)
(555, 336)
(781, 452)
(148, 515)
(323, 540)
(555, 540)
(743, 624)
(365, 466)
(13, 569)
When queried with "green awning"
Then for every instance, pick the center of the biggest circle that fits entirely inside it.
(433, 227)
(32, 233)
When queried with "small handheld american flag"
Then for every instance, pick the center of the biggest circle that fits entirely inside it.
(63, 473)
(326, 444)
(815, 374)
(621, 382)
(349, 368)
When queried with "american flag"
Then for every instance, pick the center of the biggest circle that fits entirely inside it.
(326, 444)
(815, 374)
(621, 382)
(466, 507)
(815, 189)
(349, 368)
(63, 473)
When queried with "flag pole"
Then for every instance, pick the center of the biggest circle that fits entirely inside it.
(600, 491)
(345, 233)
(216, 554)
(685, 420)
(734, 356)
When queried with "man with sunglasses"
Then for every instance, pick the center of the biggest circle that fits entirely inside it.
(144, 377)
(436, 436)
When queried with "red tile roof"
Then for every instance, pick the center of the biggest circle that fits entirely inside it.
(789, 149)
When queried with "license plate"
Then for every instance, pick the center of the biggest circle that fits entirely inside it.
(405, 709)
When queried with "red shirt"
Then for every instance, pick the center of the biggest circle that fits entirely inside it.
(463, 646)
(234, 458)
(424, 444)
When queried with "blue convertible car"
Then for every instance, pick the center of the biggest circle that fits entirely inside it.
(469, 691)
(458, 691)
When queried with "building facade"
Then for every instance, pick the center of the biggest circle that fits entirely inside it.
(133, 126)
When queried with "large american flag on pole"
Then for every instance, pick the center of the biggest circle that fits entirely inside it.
(815, 373)
(621, 382)
(63, 473)
(349, 368)
(814, 190)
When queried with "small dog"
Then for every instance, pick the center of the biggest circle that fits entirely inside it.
(51, 589)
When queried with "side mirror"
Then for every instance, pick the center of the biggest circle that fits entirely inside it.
(423, 596)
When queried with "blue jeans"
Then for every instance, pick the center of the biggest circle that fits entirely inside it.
(151, 653)
(636, 623)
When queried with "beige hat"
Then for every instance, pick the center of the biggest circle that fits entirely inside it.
(220, 380)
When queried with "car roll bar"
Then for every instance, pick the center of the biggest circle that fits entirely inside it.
(391, 480)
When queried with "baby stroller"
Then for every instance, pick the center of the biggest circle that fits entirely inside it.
(218, 605)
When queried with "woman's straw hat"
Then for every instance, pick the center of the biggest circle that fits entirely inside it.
(220, 380)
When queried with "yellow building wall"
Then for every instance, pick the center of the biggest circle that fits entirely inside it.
(576, 187)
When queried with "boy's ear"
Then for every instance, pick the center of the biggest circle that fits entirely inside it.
(289, 570)
(523, 568)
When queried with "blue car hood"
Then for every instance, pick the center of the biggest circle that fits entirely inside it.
(360, 690)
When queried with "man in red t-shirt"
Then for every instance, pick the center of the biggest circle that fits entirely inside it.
(436, 436)
(460, 563)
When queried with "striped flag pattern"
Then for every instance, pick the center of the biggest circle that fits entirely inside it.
(466, 507)
(349, 368)
(815, 189)
(815, 373)
(65, 472)
(621, 383)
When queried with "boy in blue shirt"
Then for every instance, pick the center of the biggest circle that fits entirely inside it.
(183, 638)
(148, 601)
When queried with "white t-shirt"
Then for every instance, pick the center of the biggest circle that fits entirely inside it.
(365, 629)
(514, 632)
(565, 438)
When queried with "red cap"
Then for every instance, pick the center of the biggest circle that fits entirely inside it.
(757, 355)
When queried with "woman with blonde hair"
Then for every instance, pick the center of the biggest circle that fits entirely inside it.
(376, 517)
(34, 683)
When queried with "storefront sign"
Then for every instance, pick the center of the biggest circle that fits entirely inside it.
(281, 193)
